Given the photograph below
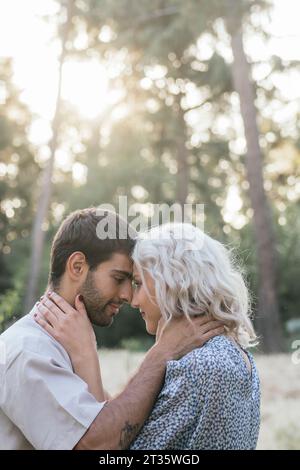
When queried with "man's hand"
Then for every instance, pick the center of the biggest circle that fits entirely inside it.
(178, 336)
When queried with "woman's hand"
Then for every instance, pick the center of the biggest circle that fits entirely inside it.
(70, 326)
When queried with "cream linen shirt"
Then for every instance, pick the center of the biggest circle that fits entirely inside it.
(43, 403)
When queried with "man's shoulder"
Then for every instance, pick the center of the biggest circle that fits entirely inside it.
(25, 337)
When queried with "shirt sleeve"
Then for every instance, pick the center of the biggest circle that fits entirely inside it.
(48, 402)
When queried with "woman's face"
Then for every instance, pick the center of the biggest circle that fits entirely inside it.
(147, 305)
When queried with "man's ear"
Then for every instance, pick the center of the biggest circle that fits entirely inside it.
(77, 266)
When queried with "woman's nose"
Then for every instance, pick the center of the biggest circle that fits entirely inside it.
(134, 301)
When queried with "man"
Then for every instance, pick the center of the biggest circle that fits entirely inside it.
(43, 403)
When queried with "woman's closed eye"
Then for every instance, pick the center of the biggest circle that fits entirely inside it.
(136, 284)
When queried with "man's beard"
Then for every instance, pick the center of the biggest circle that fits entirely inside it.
(95, 303)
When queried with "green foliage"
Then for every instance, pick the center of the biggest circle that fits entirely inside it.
(141, 149)
(289, 264)
(10, 304)
(16, 183)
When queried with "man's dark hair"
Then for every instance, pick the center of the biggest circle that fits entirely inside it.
(78, 232)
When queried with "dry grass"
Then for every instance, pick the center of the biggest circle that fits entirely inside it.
(280, 383)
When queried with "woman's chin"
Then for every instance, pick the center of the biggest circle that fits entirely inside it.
(151, 329)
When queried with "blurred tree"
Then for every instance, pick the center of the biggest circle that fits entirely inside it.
(175, 134)
(268, 320)
(17, 169)
(38, 234)
(173, 28)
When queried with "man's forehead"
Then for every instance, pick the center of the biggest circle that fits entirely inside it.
(121, 262)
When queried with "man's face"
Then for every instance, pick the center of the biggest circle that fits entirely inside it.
(106, 288)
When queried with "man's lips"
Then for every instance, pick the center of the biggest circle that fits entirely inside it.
(115, 307)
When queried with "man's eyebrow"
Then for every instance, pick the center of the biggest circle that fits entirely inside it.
(123, 273)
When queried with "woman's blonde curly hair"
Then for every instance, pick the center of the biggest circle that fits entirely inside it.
(195, 274)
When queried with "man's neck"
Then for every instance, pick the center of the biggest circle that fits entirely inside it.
(65, 291)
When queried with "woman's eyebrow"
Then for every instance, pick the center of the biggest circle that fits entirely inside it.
(123, 273)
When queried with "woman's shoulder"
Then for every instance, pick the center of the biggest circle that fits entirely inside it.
(211, 352)
(218, 356)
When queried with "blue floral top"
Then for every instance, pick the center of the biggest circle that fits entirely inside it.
(209, 400)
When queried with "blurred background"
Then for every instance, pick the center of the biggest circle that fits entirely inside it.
(163, 101)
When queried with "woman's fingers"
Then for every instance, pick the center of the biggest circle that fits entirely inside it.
(79, 305)
(38, 318)
(61, 303)
(45, 314)
(52, 307)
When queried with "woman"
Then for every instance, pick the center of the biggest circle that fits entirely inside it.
(211, 397)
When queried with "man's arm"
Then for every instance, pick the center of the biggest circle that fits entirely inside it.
(118, 423)
(121, 419)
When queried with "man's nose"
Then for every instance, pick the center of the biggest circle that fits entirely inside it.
(126, 293)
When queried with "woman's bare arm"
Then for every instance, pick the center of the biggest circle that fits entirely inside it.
(88, 369)
(83, 353)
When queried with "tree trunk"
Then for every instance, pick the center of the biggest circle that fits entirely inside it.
(38, 234)
(182, 158)
(268, 320)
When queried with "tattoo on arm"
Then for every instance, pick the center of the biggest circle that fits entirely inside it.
(127, 435)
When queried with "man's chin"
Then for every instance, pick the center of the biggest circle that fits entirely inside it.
(102, 320)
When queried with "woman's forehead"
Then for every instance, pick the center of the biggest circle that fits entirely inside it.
(135, 270)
